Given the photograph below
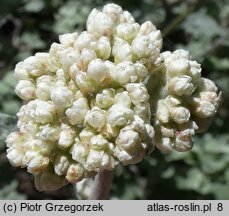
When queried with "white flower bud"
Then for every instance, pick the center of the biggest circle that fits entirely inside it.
(202, 108)
(146, 28)
(126, 17)
(121, 51)
(68, 57)
(41, 111)
(67, 136)
(98, 71)
(105, 99)
(157, 38)
(49, 133)
(124, 72)
(137, 92)
(142, 47)
(165, 144)
(37, 65)
(28, 127)
(75, 173)
(195, 71)
(68, 39)
(20, 72)
(123, 99)
(127, 31)
(172, 101)
(183, 143)
(87, 55)
(113, 11)
(209, 96)
(15, 151)
(178, 67)
(99, 24)
(96, 118)
(83, 82)
(181, 85)
(98, 142)
(85, 40)
(86, 134)
(61, 165)
(25, 89)
(98, 160)
(61, 97)
(79, 152)
(119, 115)
(77, 112)
(207, 85)
(15, 156)
(167, 131)
(180, 114)
(103, 48)
(128, 139)
(34, 161)
(180, 53)
(141, 70)
(44, 84)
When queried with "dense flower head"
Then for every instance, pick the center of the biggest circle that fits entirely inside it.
(89, 101)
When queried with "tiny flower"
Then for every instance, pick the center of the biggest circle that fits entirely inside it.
(49, 133)
(181, 85)
(127, 31)
(113, 11)
(96, 118)
(77, 112)
(87, 55)
(180, 114)
(178, 67)
(98, 71)
(105, 99)
(68, 39)
(61, 165)
(25, 89)
(75, 173)
(84, 40)
(119, 115)
(61, 97)
(143, 46)
(43, 87)
(202, 108)
(99, 24)
(103, 49)
(138, 92)
(121, 51)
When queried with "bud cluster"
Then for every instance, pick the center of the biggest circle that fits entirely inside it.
(186, 104)
(88, 101)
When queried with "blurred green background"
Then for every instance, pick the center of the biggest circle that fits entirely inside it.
(202, 27)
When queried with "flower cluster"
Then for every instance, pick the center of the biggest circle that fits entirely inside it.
(88, 101)
(186, 102)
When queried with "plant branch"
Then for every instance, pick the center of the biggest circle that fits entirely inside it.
(101, 185)
(174, 23)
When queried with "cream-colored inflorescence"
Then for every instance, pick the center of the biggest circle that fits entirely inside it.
(186, 101)
(90, 101)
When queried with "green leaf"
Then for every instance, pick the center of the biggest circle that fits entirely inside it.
(34, 6)
(32, 40)
(201, 26)
(9, 192)
(7, 125)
